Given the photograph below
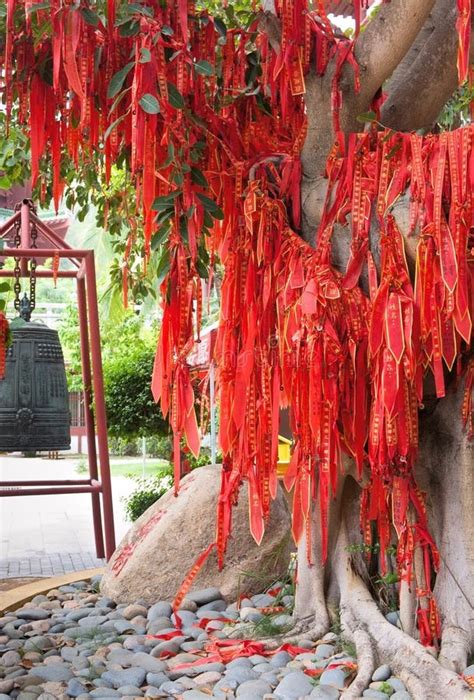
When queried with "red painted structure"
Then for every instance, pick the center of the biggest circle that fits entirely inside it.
(94, 405)
(78, 419)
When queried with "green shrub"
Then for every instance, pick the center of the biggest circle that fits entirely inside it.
(150, 489)
(203, 460)
(131, 409)
(159, 446)
(156, 446)
(81, 467)
(123, 447)
(147, 491)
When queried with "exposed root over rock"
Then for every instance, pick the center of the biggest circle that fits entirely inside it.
(376, 640)
(424, 677)
(362, 621)
(444, 472)
(307, 628)
(366, 665)
(454, 649)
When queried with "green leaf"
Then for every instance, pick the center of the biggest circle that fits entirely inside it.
(220, 26)
(39, 6)
(149, 104)
(130, 28)
(160, 237)
(202, 269)
(165, 215)
(175, 98)
(366, 117)
(183, 229)
(166, 30)
(263, 104)
(393, 151)
(4, 287)
(204, 68)
(118, 80)
(387, 136)
(5, 182)
(3, 304)
(170, 157)
(208, 222)
(89, 16)
(140, 9)
(118, 99)
(163, 266)
(209, 205)
(165, 201)
(112, 126)
(198, 178)
(145, 56)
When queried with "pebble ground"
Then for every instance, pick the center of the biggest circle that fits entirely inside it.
(74, 642)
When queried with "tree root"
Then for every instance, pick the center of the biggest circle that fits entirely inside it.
(342, 582)
(424, 677)
(454, 649)
(365, 662)
(303, 629)
(361, 619)
(309, 629)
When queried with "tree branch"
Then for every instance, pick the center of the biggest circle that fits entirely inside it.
(378, 51)
(271, 26)
(427, 78)
(387, 39)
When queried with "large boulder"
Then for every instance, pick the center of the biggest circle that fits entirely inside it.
(162, 545)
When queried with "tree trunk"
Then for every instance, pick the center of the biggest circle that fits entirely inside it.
(446, 472)
(445, 469)
(410, 48)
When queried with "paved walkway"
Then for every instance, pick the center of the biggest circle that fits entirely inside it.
(48, 565)
(48, 535)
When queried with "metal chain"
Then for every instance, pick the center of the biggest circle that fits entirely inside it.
(33, 263)
(34, 237)
(16, 269)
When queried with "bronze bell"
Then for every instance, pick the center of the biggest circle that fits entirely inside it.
(34, 399)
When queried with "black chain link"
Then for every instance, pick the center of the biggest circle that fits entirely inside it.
(16, 269)
(34, 237)
(33, 263)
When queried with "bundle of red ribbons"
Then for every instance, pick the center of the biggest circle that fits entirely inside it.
(212, 122)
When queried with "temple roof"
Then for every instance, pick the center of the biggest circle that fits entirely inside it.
(59, 222)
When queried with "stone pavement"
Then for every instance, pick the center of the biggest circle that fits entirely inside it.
(48, 565)
(49, 535)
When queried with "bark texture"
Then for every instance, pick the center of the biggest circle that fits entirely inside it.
(446, 472)
(410, 51)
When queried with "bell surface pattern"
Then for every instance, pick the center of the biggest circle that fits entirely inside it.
(34, 399)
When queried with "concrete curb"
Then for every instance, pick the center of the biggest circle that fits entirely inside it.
(16, 597)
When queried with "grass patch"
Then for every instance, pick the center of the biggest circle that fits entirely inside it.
(266, 627)
(264, 578)
(348, 648)
(95, 637)
(152, 468)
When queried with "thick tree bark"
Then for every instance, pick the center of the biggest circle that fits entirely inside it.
(446, 472)
(427, 78)
(409, 50)
(386, 41)
(418, 86)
